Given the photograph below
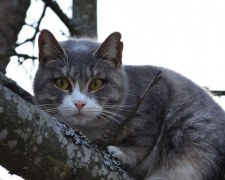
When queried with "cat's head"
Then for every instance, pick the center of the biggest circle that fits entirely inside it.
(80, 81)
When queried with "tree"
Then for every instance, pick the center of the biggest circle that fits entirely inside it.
(12, 18)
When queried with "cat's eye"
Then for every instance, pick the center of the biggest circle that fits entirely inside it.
(62, 83)
(96, 84)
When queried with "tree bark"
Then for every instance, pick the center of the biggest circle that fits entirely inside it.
(12, 19)
(34, 145)
(85, 17)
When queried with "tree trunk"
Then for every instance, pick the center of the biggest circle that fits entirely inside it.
(85, 17)
(34, 145)
(13, 13)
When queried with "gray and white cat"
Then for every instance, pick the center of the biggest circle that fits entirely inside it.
(180, 134)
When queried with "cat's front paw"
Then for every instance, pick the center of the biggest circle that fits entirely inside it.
(117, 152)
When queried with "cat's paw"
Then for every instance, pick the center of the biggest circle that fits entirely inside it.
(117, 152)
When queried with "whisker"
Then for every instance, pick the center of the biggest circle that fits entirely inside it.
(101, 116)
(110, 117)
(115, 114)
(124, 105)
(113, 108)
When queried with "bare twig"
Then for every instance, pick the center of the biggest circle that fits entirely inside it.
(12, 85)
(134, 112)
(217, 93)
(111, 137)
(14, 53)
(68, 22)
(36, 28)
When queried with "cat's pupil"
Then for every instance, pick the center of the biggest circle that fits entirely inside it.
(96, 84)
(62, 84)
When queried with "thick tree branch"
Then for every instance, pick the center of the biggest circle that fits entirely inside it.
(34, 146)
(13, 86)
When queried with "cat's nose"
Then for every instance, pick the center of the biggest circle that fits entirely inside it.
(80, 104)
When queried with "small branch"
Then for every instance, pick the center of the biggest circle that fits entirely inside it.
(68, 22)
(133, 113)
(36, 28)
(12, 85)
(217, 93)
(111, 137)
(14, 53)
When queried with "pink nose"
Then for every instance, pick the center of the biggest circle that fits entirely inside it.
(79, 104)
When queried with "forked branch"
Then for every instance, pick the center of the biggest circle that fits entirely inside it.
(141, 98)
(111, 137)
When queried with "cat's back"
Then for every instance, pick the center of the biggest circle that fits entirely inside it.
(191, 122)
(176, 92)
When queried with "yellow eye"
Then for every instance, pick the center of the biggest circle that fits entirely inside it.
(62, 83)
(96, 84)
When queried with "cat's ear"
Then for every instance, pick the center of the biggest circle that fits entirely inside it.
(49, 48)
(111, 49)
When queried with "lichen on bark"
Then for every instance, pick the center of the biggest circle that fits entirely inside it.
(34, 145)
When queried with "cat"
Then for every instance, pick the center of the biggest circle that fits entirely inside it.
(180, 134)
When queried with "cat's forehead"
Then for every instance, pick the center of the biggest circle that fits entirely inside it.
(80, 45)
(80, 59)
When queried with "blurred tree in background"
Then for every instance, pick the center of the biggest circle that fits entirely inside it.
(12, 19)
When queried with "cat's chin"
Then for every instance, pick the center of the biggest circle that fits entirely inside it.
(78, 120)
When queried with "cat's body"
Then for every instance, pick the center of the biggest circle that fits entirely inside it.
(178, 136)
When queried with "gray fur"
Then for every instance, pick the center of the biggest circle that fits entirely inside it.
(180, 134)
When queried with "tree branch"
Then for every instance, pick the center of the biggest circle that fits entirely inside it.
(34, 145)
(36, 28)
(68, 22)
(12, 85)
(111, 137)
(14, 53)
(134, 112)
(217, 93)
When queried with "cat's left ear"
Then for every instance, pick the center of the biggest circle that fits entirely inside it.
(49, 48)
(111, 49)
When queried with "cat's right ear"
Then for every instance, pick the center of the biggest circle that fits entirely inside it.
(49, 48)
(111, 49)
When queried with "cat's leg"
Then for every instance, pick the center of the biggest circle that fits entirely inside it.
(126, 157)
(186, 169)
(185, 166)
(185, 172)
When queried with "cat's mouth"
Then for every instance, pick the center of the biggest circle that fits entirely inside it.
(80, 117)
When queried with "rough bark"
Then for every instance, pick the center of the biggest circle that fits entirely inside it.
(34, 145)
(85, 17)
(12, 85)
(13, 13)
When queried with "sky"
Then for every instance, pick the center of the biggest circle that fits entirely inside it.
(185, 36)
